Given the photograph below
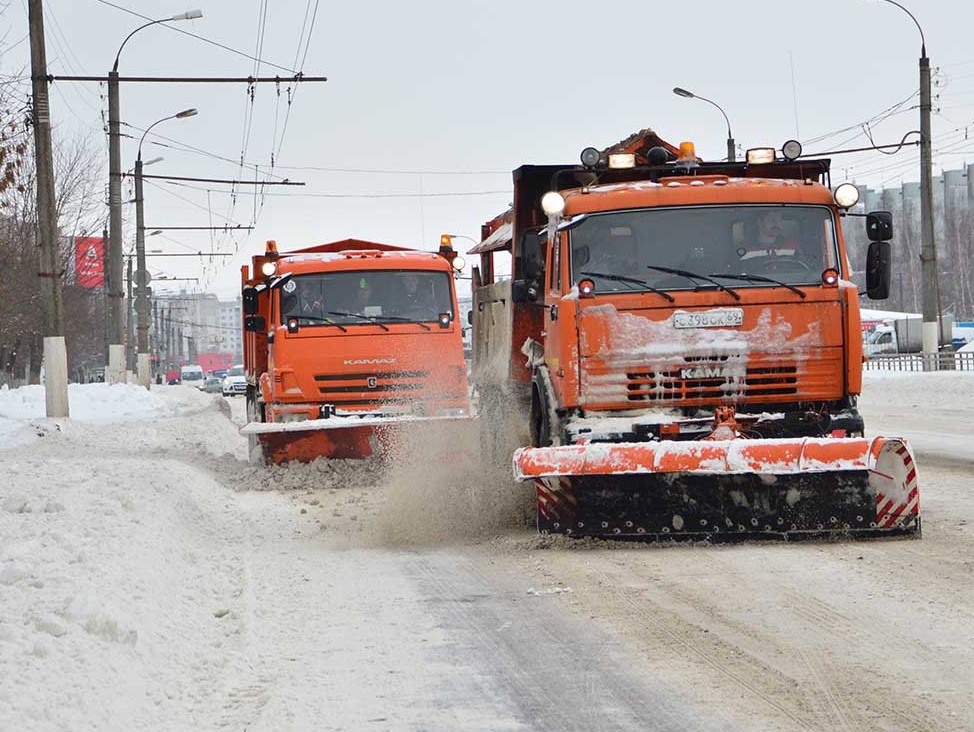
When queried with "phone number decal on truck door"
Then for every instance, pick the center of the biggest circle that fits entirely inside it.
(719, 318)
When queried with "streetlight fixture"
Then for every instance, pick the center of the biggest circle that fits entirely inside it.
(731, 155)
(928, 247)
(116, 351)
(142, 274)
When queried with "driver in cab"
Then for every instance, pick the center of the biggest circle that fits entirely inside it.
(773, 238)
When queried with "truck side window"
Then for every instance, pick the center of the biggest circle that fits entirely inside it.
(531, 255)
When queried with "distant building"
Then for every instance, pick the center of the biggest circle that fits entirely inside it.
(953, 214)
(192, 323)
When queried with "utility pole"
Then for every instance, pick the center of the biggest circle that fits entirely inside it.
(130, 323)
(115, 371)
(55, 353)
(928, 248)
(106, 290)
(142, 274)
(142, 283)
(116, 357)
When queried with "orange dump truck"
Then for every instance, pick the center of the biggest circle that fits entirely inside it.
(348, 348)
(677, 350)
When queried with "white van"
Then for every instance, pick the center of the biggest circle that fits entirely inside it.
(192, 375)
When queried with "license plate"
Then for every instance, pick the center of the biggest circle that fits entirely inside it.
(721, 318)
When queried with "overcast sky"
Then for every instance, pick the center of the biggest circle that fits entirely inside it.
(429, 105)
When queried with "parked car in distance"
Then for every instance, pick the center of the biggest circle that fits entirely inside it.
(213, 385)
(235, 382)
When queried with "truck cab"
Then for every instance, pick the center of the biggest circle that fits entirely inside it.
(349, 332)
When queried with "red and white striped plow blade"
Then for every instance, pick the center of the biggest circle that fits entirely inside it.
(555, 497)
(893, 477)
(888, 461)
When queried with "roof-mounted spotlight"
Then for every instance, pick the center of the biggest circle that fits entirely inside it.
(590, 157)
(846, 195)
(657, 155)
(619, 161)
(553, 203)
(791, 150)
(760, 155)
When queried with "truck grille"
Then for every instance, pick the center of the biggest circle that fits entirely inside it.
(705, 382)
(371, 389)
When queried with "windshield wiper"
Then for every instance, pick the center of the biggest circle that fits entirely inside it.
(629, 281)
(404, 319)
(319, 319)
(694, 276)
(745, 277)
(366, 318)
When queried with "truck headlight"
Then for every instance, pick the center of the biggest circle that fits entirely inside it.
(846, 195)
(553, 203)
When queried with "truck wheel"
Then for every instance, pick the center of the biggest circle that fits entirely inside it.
(540, 421)
(255, 413)
(255, 451)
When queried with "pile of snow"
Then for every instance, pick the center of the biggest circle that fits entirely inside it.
(23, 410)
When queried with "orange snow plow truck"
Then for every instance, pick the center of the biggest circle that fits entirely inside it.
(679, 343)
(350, 347)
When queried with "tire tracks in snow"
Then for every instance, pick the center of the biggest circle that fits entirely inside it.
(562, 672)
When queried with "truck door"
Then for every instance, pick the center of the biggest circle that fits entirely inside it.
(560, 334)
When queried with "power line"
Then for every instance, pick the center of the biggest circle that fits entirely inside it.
(198, 37)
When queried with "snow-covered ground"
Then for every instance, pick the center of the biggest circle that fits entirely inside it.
(150, 578)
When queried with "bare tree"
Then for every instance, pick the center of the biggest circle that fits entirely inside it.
(78, 205)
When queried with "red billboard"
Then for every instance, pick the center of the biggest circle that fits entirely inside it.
(89, 261)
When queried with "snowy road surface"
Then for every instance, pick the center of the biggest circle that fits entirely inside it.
(151, 579)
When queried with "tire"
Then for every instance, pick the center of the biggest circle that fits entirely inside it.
(255, 451)
(540, 421)
(255, 413)
(543, 433)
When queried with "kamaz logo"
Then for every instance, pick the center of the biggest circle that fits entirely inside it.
(372, 382)
(703, 372)
(367, 361)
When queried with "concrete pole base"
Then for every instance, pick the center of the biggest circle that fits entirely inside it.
(930, 349)
(144, 368)
(115, 373)
(56, 376)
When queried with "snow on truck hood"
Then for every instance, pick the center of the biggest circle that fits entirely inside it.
(617, 341)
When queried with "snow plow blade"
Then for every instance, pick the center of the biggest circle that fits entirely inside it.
(725, 489)
(385, 438)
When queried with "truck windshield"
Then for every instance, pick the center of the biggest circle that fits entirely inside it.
(783, 244)
(362, 297)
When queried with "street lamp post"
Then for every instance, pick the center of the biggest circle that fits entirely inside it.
(731, 154)
(928, 247)
(142, 275)
(116, 351)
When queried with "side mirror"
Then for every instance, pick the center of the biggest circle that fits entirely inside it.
(879, 225)
(250, 303)
(524, 291)
(254, 323)
(470, 317)
(531, 269)
(878, 270)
